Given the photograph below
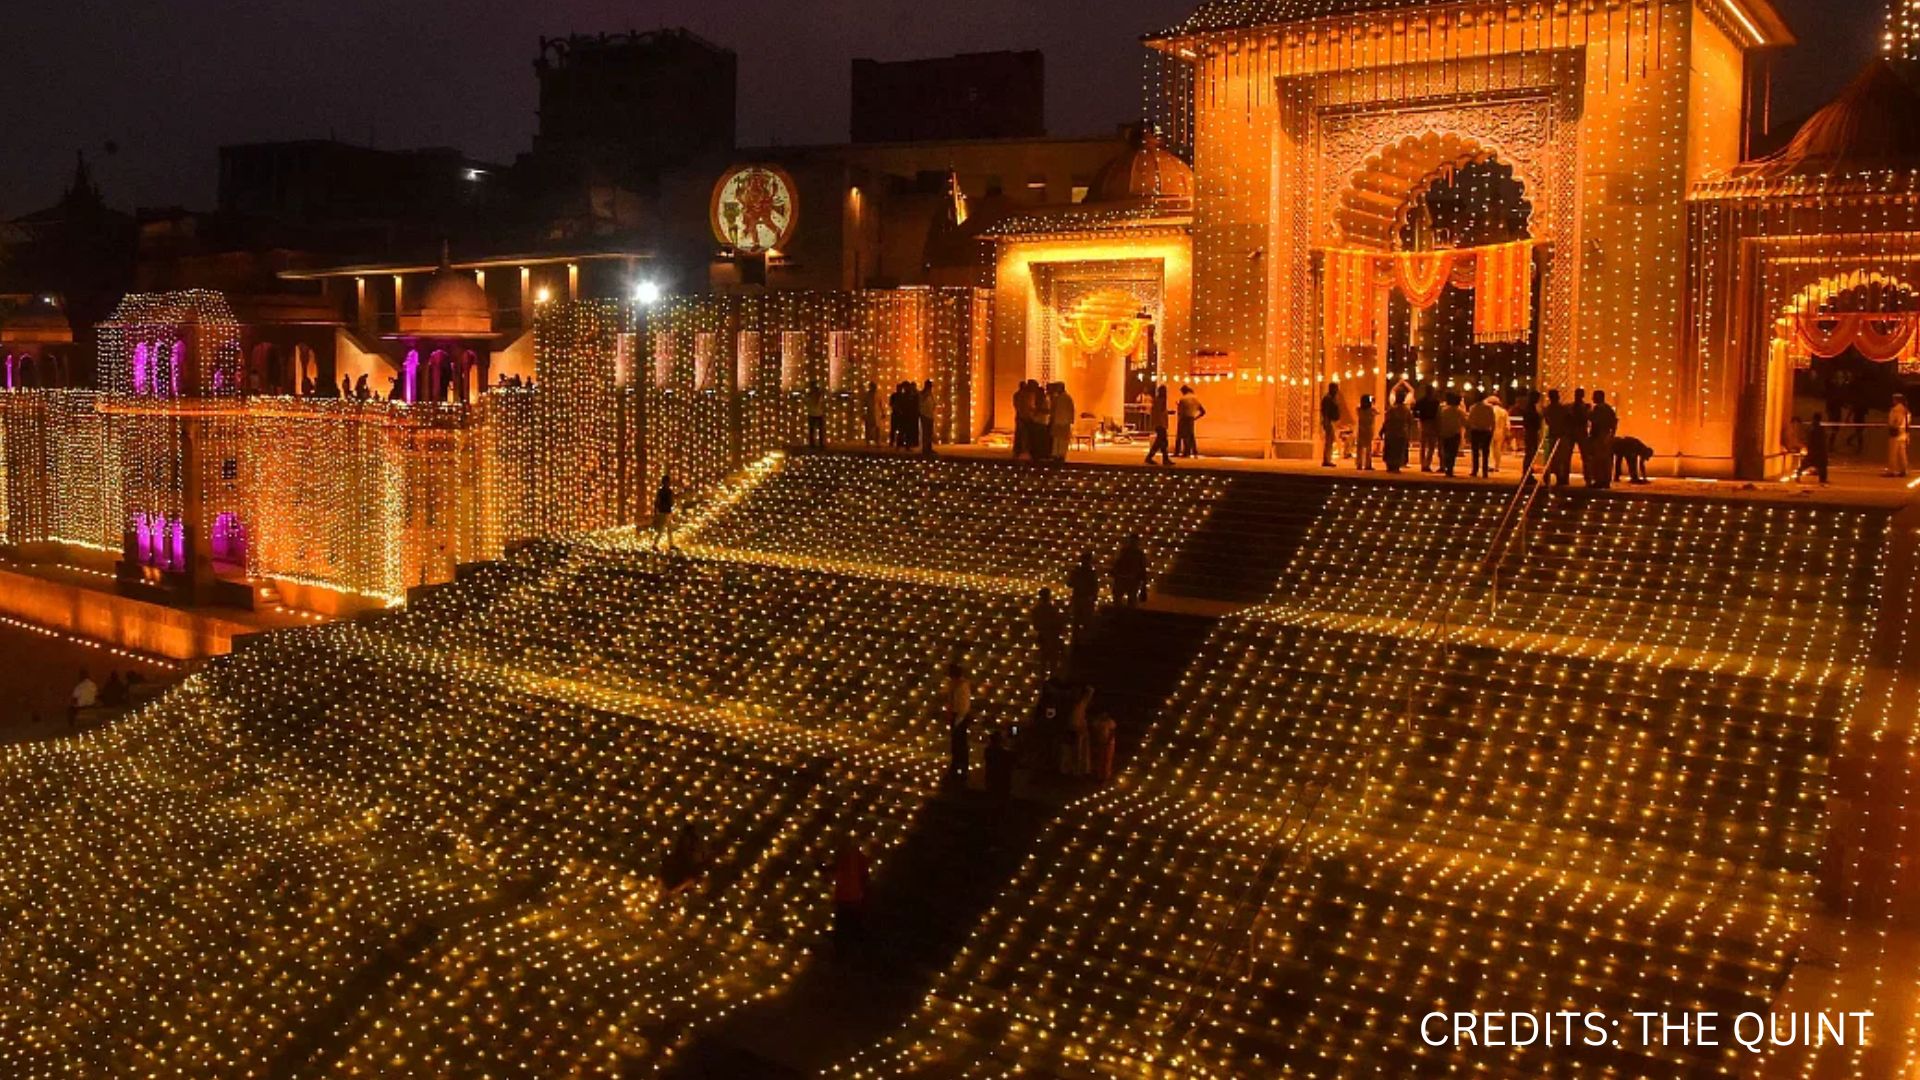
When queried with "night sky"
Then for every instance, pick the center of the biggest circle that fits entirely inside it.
(169, 83)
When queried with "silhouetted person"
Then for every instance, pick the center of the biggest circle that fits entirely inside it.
(1396, 433)
(1364, 422)
(1329, 423)
(1580, 419)
(1899, 431)
(999, 763)
(1602, 424)
(1818, 450)
(870, 414)
(1427, 412)
(114, 693)
(1632, 455)
(924, 404)
(1480, 423)
(1157, 419)
(1451, 425)
(1559, 423)
(663, 513)
(1531, 422)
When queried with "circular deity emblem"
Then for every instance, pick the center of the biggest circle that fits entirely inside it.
(754, 208)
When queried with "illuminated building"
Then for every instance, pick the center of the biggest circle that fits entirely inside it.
(1096, 293)
(1810, 253)
(1354, 159)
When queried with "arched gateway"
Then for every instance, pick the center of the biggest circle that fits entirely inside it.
(1487, 194)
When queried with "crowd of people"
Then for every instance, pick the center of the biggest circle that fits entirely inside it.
(1442, 423)
(1811, 445)
(909, 411)
(1064, 735)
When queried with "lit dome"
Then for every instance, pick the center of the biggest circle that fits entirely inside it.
(1145, 172)
(455, 306)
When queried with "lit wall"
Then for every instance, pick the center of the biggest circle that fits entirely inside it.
(1605, 114)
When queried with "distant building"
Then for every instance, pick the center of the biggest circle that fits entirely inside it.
(630, 106)
(992, 95)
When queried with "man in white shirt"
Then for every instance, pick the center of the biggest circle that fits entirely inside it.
(85, 696)
(1899, 426)
(1188, 415)
(1502, 425)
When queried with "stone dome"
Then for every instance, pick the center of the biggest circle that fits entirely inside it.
(1146, 172)
(454, 306)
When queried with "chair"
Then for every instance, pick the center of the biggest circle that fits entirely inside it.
(1084, 430)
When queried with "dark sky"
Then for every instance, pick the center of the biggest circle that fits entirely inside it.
(170, 82)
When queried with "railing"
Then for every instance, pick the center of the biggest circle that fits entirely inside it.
(1513, 521)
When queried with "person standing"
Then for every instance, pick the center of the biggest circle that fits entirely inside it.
(1062, 415)
(1815, 460)
(870, 414)
(1363, 435)
(1105, 738)
(1452, 422)
(1157, 418)
(1041, 440)
(999, 763)
(1080, 728)
(897, 417)
(1397, 432)
(1022, 420)
(1049, 631)
(1186, 443)
(1581, 418)
(1480, 421)
(959, 723)
(1559, 424)
(1899, 430)
(1602, 424)
(1427, 412)
(1083, 584)
(663, 513)
(816, 416)
(1532, 420)
(1130, 573)
(925, 405)
(1502, 429)
(1329, 423)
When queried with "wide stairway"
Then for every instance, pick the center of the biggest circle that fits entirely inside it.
(431, 842)
(1383, 794)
